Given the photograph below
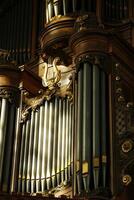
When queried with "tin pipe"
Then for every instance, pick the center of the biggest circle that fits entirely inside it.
(3, 127)
(21, 158)
(44, 148)
(35, 153)
(103, 125)
(55, 141)
(40, 145)
(63, 145)
(87, 118)
(67, 137)
(59, 146)
(96, 122)
(8, 152)
(50, 145)
(30, 152)
(79, 130)
(25, 160)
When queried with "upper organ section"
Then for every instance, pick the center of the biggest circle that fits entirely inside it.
(116, 10)
(20, 35)
(55, 8)
(113, 11)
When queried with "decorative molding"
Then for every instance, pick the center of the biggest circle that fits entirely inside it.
(12, 94)
(94, 59)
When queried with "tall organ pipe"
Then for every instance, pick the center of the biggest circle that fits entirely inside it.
(55, 140)
(8, 149)
(35, 153)
(3, 125)
(86, 157)
(25, 161)
(40, 145)
(63, 141)
(30, 152)
(21, 158)
(67, 138)
(96, 122)
(59, 143)
(103, 126)
(50, 146)
(44, 149)
(79, 130)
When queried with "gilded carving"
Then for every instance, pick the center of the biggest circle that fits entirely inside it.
(127, 146)
(51, 83)
(9, 93)
(126, 179)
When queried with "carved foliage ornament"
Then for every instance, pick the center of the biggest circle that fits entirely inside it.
(126, 179)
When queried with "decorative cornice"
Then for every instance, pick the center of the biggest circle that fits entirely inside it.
(93, 59)
(9, 93)
(56, 34)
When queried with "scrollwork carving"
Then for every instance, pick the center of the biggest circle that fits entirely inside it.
(126, 179)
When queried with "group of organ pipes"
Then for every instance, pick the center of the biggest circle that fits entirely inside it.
(46, 147)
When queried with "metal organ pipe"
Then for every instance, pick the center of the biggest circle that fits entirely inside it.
(44, 150)
(35, 153)
(8, 150)
(96, 123)
(86, 157)
(40, 145)
(25, 161)
(103, 126)
(55, 141)
(59, 143)
(63, 139)
(21, 158)
(79, 130)
(3, 125)
(50, 146)
(30, 152)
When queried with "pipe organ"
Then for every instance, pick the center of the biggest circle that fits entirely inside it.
(66, 99)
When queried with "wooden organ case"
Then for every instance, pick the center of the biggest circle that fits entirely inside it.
(67, 99)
